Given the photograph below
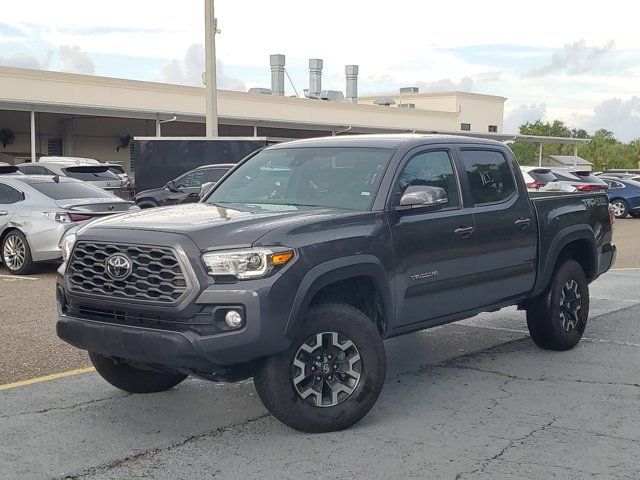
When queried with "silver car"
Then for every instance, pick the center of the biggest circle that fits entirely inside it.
(99, 175)
(37, 210)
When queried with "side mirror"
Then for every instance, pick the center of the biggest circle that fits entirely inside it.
(425, 196)
(205, 188)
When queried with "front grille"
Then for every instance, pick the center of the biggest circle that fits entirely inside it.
(156, 275)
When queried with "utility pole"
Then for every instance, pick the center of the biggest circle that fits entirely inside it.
(210, 31)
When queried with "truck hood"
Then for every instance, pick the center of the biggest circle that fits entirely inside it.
(211, 226)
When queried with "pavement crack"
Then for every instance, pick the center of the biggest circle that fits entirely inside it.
(66, 407)
(154, 451)
(539, 379)
(485, 463)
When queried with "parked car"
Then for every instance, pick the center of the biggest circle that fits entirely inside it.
(309, 253)
(184, 189)
(624, 196)
(541, 179)
(582, 181)
(98, 175)
(621, 171)
(36, 211)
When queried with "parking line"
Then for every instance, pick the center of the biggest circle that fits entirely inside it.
(46, 378)
(18, 277)
(621, 269)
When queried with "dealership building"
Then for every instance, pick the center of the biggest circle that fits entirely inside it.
(52, 113)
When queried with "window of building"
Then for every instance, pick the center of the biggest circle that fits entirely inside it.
(54, 147)
(493, 129)
(489, 176)
(465, 126)
(433, 169)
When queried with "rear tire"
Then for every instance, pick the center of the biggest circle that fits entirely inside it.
(147, 204)
(620, 208)
(16, 254)
(558, 317)
(332, 374)
(131, 379)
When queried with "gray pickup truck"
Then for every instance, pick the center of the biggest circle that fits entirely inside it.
(308, 254)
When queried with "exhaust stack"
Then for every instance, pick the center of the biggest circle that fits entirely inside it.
(351, 72)
(277, 74)
(315, 77)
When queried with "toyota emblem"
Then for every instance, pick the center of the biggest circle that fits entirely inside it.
(119, 266)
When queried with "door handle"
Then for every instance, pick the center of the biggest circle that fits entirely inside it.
(523, 223)
(464, 232)
(3, 213)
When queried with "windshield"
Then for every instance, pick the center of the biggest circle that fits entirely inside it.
(325, 177)
(91, 174)
(67, 190)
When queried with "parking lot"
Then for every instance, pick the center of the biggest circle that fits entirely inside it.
(475, 399)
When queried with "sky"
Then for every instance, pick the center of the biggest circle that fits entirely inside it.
(573, 61)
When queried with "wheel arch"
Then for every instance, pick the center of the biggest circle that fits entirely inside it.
(335, 280)
(577, 243)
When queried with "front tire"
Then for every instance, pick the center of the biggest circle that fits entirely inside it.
(558, 317)
(620, 208)
(332, 374)
(131, 379)
(16, 254)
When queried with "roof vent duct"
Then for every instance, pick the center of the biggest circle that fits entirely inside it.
(277, 75)
(315, 78)
(351, 72)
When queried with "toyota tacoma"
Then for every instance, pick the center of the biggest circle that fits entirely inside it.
(308, 254)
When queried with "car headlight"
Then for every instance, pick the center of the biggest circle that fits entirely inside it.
(246, 264)
(68, 241)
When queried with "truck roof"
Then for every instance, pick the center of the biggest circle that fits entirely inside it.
(391, 141)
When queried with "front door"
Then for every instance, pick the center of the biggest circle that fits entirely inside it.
(434, 249)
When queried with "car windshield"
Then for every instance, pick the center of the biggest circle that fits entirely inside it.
(67, 190)
(324, 177)
(91, 174)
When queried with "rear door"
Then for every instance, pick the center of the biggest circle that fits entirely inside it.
(506, 228)
(9, 198)
(434, 249)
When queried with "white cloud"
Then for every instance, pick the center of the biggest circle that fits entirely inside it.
(523, 114)
(189, 71)
(446, 85)
(575, 58)
(75, 60)
(620, 116)
(24, 60)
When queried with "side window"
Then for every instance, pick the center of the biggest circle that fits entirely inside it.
(215, 174)
(489, 175)
(192, 180)
(9, 195)
(434, 169)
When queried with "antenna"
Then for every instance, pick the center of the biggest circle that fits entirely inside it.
(294, 87)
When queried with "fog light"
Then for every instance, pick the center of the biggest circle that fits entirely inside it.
(233, 318)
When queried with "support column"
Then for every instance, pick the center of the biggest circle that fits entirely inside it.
(33, 136)
(575, 156)
(210, 29)
(540, 155)
(255, 130)
(68, 142)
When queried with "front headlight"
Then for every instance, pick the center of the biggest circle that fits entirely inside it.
(246, 264)
(68, 241)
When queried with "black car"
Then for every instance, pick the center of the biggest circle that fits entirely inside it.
(184, 189)
(304, 258)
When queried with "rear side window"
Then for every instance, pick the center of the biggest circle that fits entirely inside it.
(67, 190)
(542, 176)
(216, 174)
(614, 184)
(34, 170)
(9, 195)
(91, 174)
(433, 169)
(489, 176)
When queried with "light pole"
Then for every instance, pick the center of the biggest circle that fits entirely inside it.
(210, 30)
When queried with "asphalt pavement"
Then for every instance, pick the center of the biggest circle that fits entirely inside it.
(471, 400)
